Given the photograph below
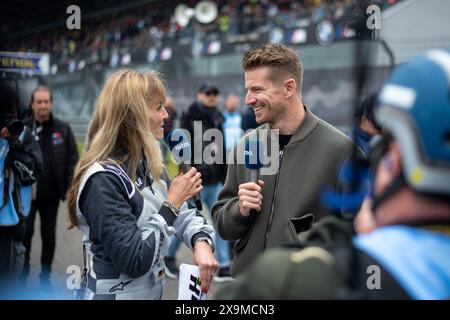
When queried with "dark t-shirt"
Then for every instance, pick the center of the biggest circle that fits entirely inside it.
(283, 141)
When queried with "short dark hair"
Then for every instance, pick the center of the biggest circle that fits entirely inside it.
(41, 88)
(278, 57)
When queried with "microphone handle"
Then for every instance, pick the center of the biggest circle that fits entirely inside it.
(254, 175)
(185, 167)
(198, 202)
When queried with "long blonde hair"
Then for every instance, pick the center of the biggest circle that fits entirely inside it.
(121, 123)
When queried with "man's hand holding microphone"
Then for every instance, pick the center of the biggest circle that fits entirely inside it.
(250, 193)
(250, 197)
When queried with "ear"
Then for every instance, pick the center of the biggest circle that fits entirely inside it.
(290, 87)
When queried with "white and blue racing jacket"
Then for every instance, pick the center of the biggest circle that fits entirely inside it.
(127, 232)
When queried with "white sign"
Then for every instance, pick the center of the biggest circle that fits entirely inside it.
(189, 283)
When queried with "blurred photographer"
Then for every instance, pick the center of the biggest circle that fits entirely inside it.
(20, 164)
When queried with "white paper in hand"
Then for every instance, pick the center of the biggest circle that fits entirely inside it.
(189, 283)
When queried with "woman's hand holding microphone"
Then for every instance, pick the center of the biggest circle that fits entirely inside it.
(183, 187)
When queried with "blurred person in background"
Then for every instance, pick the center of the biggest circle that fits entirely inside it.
(355, 176)
(232, 123)
(172, 115)
(233, 132)
(120, 198)
(366, 131)
(60, 154)
(20, 166)
(172, 269)
(249, 119)
(368, 127)
(169, 125)
(204, 111)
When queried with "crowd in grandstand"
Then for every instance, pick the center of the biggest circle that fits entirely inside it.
(144, 26)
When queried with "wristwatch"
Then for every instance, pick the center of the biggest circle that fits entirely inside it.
(174, 209)
(207, 240)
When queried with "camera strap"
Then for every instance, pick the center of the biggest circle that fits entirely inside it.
(7, 174)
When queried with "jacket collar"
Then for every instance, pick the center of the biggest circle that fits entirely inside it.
(306, 127)
(46, 123)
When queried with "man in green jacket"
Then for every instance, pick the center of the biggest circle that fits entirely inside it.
(405, 252)
(310, 152)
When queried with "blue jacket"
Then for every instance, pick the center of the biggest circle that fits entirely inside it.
(22, 162)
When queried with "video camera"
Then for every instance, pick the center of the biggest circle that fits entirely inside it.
(10, 121)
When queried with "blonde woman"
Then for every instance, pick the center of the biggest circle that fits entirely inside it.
(120, 200)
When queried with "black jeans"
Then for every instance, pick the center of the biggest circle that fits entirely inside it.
(48, 209)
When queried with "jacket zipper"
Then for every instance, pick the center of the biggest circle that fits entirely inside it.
(280, 158)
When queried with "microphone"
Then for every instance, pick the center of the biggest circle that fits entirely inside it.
(181, 152)
(253, 161)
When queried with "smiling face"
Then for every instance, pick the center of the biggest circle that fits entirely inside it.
(265, 96)
(157, 116)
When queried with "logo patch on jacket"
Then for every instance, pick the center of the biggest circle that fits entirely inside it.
(139, 183)
(57, 138)
(126, 181)
(119, 286)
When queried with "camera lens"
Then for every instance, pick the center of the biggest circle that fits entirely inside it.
(14, 127)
